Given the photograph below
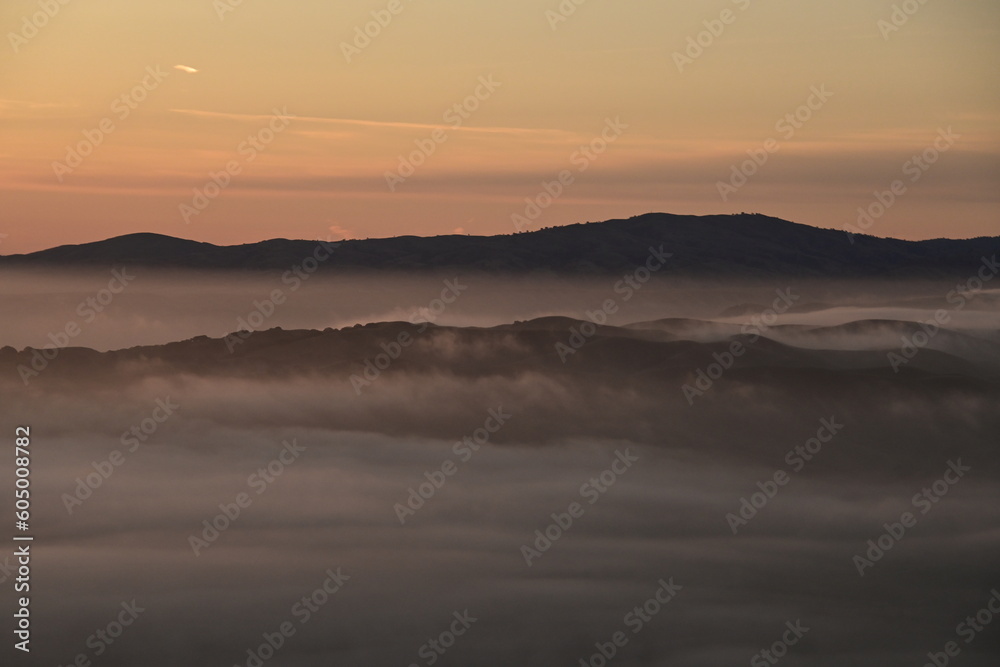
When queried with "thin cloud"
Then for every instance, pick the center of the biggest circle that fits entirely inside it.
(377, 123)
(11, 109)
(339, 233)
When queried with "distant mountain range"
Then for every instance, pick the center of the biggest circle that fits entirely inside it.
(746, 245)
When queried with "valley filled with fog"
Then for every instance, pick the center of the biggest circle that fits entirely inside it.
(142, 306)
(737, 444)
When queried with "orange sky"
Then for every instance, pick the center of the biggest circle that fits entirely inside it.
(535, 92)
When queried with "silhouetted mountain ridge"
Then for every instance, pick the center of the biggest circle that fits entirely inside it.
(746, 245)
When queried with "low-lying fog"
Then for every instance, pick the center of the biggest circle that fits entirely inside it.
(750, 509)
(666, 515)
(144, 307)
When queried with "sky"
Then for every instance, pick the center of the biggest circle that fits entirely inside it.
(233, 122)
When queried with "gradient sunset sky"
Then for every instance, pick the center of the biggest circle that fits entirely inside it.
(559, 82)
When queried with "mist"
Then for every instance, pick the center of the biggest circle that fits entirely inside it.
(431, 468)
(154, 307)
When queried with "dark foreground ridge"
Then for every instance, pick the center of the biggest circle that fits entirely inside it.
(666, 349)
(746, 245)
(564, 378)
